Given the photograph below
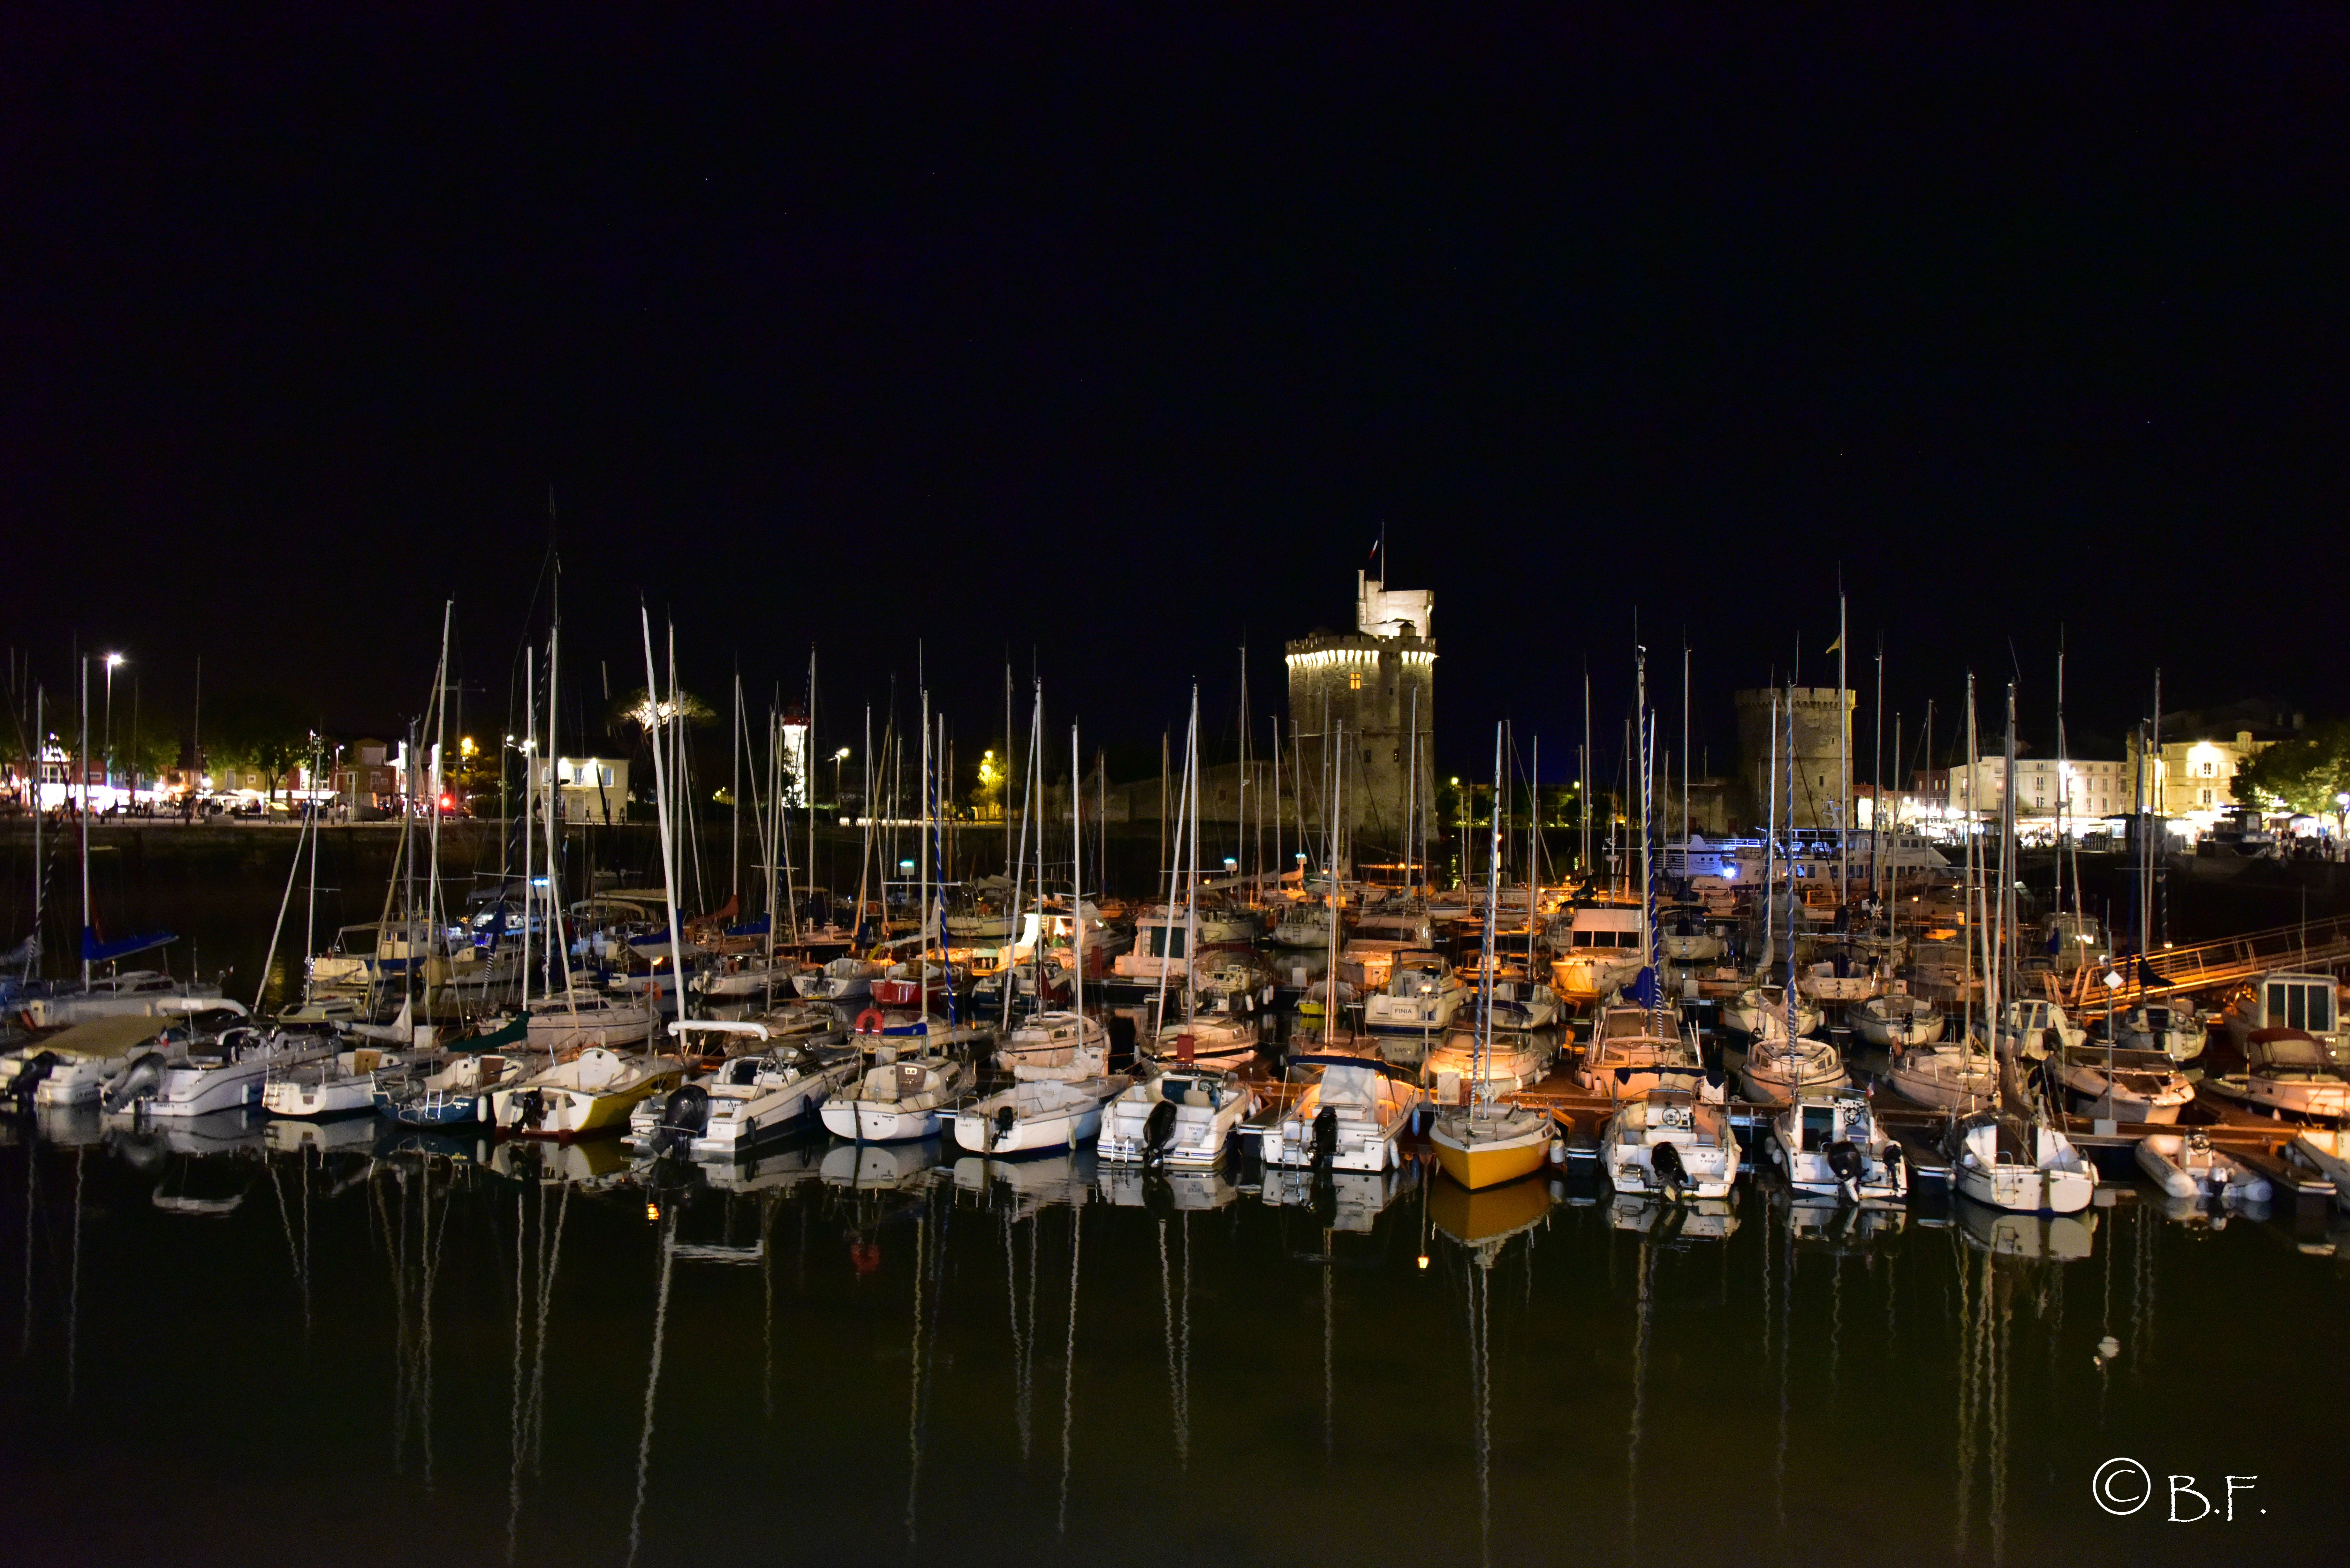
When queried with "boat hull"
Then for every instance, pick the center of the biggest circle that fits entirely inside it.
(1477, 1163)
(870, 1121)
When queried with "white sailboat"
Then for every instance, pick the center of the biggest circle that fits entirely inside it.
(1897, 1021)
(897, 1100)
(2120, 1086)
(2177, 1031)
(1037, 1116)
(1626, 1058)
(1778, 1069)
(2011, 1161)
(1060, 1044)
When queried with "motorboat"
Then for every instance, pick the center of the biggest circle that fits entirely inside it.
(1671, 1142)
(2185, 1165)
(227, 1060)
(2127, 1085)
(2288, 1072)
(1778, 1068)
(1421, 996)
(341, 1085)
(1627, 1057)
(2177, 1031)
(1183, 1115)
(844, 978)
(899, 1099)
(2286, 1000)
(81, 1063)
(1349, 1117)
(2013, 1162)
(752, 1098)
(1944, 1077)
(1760, 1010)
(591, 1091)
(1066, 1046)
(738, 978)
(1037, 1116)
(909, 985)
(1828, 1141)
(1595, 950)
(1896, 1020)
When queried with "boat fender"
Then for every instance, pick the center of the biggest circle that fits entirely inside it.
(1325, 1137)
(1157, 1132)
(1666, 1161)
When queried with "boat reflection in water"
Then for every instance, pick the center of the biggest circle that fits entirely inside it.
(880, 1166)
(571, 1338)
(1481, 1224)
(2057, 1238)
(1352, 1201)
(1658, 1217)
(1173, 1190)
(1044, 1181)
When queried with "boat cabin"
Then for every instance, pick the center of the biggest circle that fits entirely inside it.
(2295, 1002)
(1604, 926)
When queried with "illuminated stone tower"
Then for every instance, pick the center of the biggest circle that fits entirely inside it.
(1375, 687)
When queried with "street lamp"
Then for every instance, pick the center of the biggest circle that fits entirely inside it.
(838, 757)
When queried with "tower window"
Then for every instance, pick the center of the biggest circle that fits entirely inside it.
(1354, 680)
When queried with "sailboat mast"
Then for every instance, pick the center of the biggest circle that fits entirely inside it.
(1534, 852)
(1191, 893)
(529, 799)
(1484, 1047)
(808, 778)
(1844, 765)
(1078, 884)
(86, 922)
(922, 950)
(662, 812)
(557, 949)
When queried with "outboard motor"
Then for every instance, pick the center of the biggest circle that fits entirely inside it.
(684, 1116)
(1006, 1118)
(142, 1077)
(1850, 1167)
(530, 1109)
(1326, 1138)
(1157, 1132)
(1665, 1160)
(29, 1075)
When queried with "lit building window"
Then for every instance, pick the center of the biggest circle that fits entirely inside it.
(1354, 680)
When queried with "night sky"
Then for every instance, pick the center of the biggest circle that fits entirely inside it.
(1115, 335)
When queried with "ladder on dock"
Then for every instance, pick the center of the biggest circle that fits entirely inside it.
(2209, 966)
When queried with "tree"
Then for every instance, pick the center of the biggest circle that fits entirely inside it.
(263, 735)
(2305, 775)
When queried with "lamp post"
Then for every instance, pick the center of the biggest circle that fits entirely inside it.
(838, 757)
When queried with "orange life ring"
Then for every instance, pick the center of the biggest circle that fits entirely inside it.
(870, 1021)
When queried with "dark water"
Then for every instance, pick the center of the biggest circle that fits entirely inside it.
(298, 1348)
